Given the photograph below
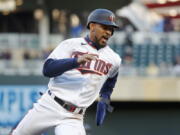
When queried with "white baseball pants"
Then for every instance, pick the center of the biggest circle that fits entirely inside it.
(46, 114)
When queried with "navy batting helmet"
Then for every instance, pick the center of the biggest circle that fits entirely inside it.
(102, 16)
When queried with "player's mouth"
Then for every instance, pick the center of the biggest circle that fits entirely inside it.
(105, 39)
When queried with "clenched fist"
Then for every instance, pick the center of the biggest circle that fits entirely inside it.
(86, 58)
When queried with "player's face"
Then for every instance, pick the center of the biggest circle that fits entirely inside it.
(101, 33)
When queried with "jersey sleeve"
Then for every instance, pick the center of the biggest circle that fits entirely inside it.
(53, 68)
(116, 66)
(60, 61)
(63, 50)
(108, 86)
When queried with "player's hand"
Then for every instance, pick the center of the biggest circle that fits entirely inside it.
(102, 106)
(86, 58)
(100, 112)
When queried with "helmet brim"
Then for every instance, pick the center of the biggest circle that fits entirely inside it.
(104, 23)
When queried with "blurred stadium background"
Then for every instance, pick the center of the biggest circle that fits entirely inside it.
(147, 95)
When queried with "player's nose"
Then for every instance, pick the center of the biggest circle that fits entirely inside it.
(108, 33)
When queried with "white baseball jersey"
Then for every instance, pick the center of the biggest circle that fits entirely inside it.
(81, 86)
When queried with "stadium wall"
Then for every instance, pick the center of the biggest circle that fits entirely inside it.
(143, 106)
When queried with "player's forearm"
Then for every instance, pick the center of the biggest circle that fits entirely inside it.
(53, 68)
(103, 104)
(108, 86)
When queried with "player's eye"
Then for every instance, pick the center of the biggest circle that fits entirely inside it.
(107, 27)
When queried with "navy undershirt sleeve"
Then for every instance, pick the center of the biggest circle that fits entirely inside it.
(108, 86)
(53, 67)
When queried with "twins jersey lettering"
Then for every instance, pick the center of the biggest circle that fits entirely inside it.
(98, 66)
(81, 86)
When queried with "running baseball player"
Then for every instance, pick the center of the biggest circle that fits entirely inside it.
(80, 70)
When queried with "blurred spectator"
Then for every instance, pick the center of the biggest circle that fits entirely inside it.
(127, 65)
(152, 69)
(128, 52)
(31, 54)
(164, 69)
(76, 27)
(176, 68)
(6, 54)
(128, 39)
(1, 55)
(128, 43)
(35, 54)
(26, 55)
(59, 22)
(63, 22)
(128, 59)
(159, 26)
(46, 52)
(168, 25)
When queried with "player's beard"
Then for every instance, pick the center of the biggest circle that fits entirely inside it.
(98, 42)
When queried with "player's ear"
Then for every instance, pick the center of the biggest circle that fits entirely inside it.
(92, 26)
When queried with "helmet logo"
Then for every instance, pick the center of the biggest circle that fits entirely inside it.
(111, 18)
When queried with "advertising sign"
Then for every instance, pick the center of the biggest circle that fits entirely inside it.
(15, 101)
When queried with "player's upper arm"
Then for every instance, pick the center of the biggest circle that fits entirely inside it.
(108, 86)
(116, 66)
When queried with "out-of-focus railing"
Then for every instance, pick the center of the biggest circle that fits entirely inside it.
(25, 67)
(14, 40)
(34, 67)
(143, 54)
(146, 38)
(24, 40)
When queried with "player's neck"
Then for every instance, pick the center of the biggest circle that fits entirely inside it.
(92, 43)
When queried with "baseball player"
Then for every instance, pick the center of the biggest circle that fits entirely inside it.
(80, 70)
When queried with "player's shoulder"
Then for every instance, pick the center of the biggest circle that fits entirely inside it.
(74, 40)
(113, 54)
(70, 43)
